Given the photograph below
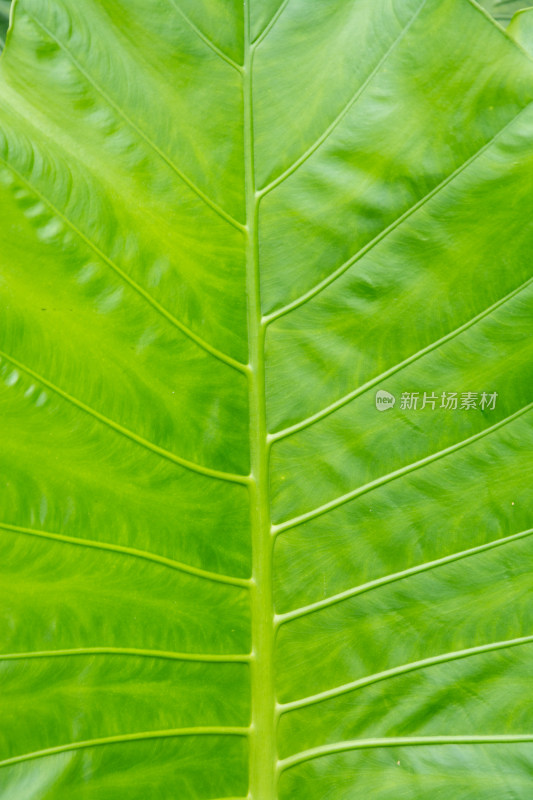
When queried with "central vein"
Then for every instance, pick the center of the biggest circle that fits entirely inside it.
(263, 724)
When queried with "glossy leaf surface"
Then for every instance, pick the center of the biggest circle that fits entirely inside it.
(224, 572)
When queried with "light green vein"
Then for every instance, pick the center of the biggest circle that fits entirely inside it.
(262, 752)
(208, 658)
(215, 577)
(205, 39)
(264, 33)
(403, 669)
(205, 198)
(183, 462)
(400, 741)
(398, 576)
(122, 739)
(343, 401)
(340, 116)
(345, 498)
(226, 359)
(307, 296)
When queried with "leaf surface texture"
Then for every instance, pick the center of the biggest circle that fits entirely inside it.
(226, 574)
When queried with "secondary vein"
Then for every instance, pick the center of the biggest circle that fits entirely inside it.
(399, 741)
(207, 200)
(332, 277)
(403, 669)
(197, 572)
(218, 354)
(281, 619)
(266, 30)
(340, 116)
(343, 401)
(205, 39)
(345, 498)
(167, 454)
(207, 658)
(121, 739)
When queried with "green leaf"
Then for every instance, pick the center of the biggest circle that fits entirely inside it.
(225, 228)
(503, 10)
(5, 6)
(521, 29)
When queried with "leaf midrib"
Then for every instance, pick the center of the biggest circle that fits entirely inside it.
(263, 755)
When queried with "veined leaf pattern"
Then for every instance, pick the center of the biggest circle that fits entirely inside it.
(225, 573)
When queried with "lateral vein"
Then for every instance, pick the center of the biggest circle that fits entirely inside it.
(215, 577)
(127, 737)
(226, 359)
(323, 284)
(183, 462)
(340, 116)
(266, 30)
(196, 189)
(398, 576)
(205, 39)
(343, 401)
(345, 498)
(208, 658)
(403, 669)
(398, 741)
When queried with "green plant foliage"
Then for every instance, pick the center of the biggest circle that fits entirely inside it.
(503, 10)
(521, 29)
(226, 570)
(4, 20)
